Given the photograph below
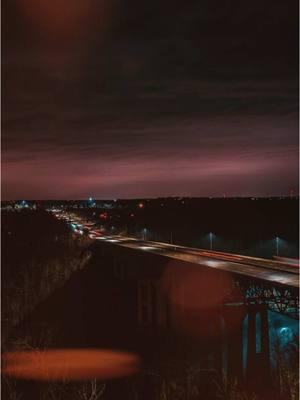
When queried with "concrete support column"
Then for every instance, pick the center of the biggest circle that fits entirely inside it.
(258, 362)
(251, 343)
(265, 340)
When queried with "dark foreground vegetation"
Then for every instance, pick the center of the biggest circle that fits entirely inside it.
(39, 253)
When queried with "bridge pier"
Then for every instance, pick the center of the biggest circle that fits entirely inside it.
(245, 332)
(258, 352)
(255, 342)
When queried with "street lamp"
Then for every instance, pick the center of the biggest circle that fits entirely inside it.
(145, 233)
(277, 245)
(89, 202)
(210, 241)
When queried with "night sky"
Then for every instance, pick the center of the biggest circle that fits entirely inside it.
(118, 99)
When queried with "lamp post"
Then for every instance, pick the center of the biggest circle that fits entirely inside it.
(145, 233)
(210, 241)
(277, 245)
(90, 202)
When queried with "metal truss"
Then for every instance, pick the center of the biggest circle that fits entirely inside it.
(282, 299)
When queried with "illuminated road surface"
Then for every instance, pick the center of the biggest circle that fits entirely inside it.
(258, 268)
(263, 269)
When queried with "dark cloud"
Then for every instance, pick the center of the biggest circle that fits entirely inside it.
(164, 99)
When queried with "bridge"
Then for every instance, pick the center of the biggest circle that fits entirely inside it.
(256, 286)
(260, 281)
(269, 271)
(171, 282)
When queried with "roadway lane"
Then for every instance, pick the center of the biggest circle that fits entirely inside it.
(252, 267)
(254, 261)
(281, 277)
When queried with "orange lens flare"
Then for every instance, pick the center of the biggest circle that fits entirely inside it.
(195, 288)
(62, 33)
(196, 296)
(70, 365)
(70, 18)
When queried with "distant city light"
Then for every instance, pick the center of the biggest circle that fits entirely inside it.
(141, 205)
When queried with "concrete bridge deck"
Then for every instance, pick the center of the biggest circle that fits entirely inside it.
(269, 271)
(262, 269)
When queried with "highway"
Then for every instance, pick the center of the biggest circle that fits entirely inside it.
(263, 269)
